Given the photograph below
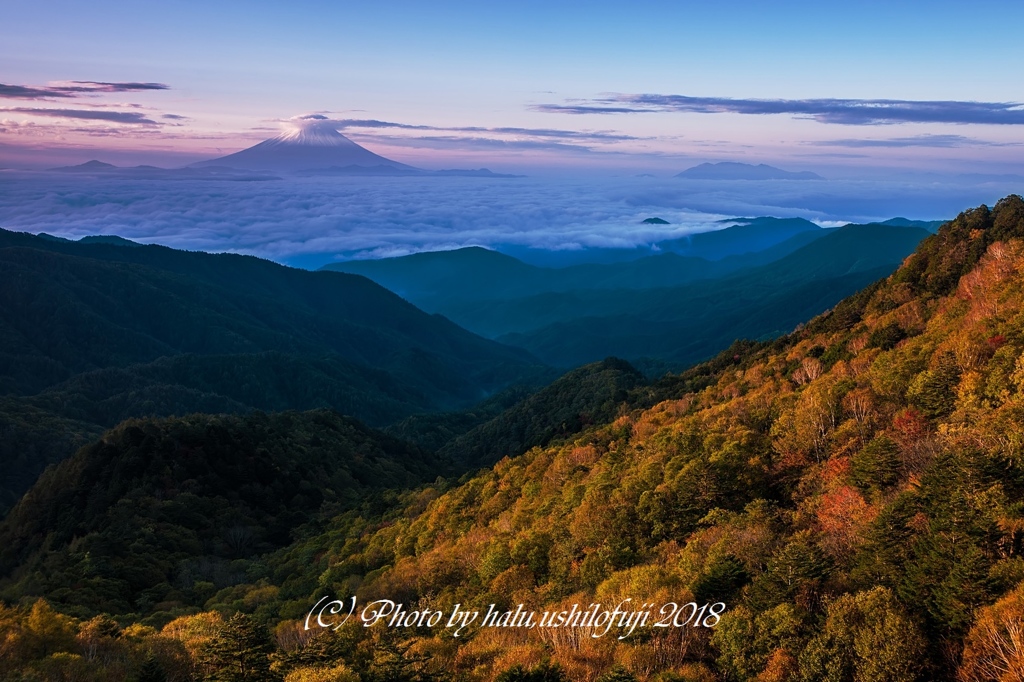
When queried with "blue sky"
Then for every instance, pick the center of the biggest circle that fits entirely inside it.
(528, 78)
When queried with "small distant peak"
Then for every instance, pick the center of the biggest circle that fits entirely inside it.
(475, 173)
(107, 239)
(52, 238)
(930, 225)
(477, 253)
(654, 221)
(731, 170)
(93, 165)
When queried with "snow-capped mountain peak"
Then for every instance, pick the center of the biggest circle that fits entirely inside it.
(315, 130)
(310, 143)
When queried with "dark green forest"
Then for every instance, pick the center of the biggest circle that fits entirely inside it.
(160, 506)
(94, 333)
(158, 511)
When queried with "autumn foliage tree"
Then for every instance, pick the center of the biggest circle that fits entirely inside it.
(994, 648)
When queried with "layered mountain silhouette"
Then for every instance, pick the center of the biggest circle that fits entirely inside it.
(742, 236)
(756, 278)
(678, 326)
(98, 331)
(475, 273)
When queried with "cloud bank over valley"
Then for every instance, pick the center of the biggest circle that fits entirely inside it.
(308, 222)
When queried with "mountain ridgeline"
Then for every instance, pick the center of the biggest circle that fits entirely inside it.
(95, 333)
(433, 279)
(589, 395)
(754, 279)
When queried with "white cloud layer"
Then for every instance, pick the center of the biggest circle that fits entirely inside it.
(312, 221)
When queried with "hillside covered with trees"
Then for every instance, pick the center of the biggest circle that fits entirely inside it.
(94, 333)
(158, 509)
(853, 492)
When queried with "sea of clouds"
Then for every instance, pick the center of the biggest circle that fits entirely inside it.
(308, 222)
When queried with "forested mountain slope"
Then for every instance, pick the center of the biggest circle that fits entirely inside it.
(134, 519)
(72, 307)
(592, 394)
(158, 511)
(93, 333)
(683, 325)
(852, 492)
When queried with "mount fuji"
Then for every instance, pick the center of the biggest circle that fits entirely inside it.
(312, 145)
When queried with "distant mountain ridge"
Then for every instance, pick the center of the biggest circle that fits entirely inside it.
(756, 277)
(691, 322)
(424, 277)
(730, 170)
(312, 147)
(930, 225)
(211, 172)
(741, 236)
(216, 171)
(88, 166)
